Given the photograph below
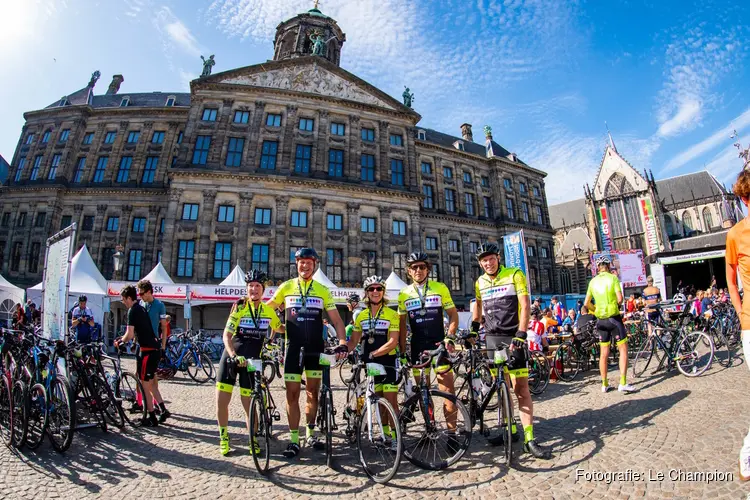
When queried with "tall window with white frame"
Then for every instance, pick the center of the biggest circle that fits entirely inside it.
(369, 261)
(334, 264)
(455, 278)
(53, 168)
(429, 198)
(259, 257)
(222, 259)
(35, 169)
(469, 203)
(450, 200)
(185, 257)
(509, 208)
(525, 211)
(487, 204)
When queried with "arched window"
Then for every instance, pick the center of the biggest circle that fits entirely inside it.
(565, 282)
(687, 221)
(668, 226)
(707, 219)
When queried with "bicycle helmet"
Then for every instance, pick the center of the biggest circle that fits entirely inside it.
(82, 298)
(353, 299)
(487, 249)
(373, 280)
(603, 260)
(256, 275)
(418, 257)
(306, 253)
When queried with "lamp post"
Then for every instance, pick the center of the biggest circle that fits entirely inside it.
(119, 260)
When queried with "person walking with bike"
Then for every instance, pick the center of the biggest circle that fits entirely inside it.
(738, 260)
(503, 298)
(139, 327)
(304, 300)
(245, 332)
(606, 292)
(157, 313)
(380, 323)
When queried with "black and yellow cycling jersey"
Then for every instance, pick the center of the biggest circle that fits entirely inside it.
(380, 326)
(500, 304)
(304, 303)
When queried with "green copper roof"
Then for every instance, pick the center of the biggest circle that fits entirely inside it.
(316, 12)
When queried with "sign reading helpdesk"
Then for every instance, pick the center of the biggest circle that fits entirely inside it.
(515, 253)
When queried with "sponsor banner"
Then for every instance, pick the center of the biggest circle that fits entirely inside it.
(601, 216)
(55, 284)
(514, 247)
(627, 265)
(228, 293)
(648, 216)
(165, 291)
(691, 257)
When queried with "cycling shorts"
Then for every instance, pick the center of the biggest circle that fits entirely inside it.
(293, 366)
(611, 329)
(226, 378)
(441, 363)
(146, 364)
(389, 381)
(516, 365)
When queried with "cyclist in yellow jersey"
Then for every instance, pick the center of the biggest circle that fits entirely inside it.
(246, 329)
(304, 301)
(606, 292)
(503, 298)
(380, 323)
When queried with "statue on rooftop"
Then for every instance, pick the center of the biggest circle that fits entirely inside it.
(94, 77)
(408, 97)
(318, 43)
(207, 65)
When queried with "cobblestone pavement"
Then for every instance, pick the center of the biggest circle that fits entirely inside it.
(672, 424)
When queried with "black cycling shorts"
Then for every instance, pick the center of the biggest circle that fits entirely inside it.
(419, 346)
(226, 378)
(389, 381)
(311, 364)
(516, 358)
(146, 364)
(611, 329)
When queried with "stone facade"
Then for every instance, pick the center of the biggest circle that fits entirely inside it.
(257, 161)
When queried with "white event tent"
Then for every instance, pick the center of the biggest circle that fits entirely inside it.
(10, 295)
(85, 279)
(159, 275)
(393, 285)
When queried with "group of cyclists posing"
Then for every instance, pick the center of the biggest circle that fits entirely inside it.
(502, 300)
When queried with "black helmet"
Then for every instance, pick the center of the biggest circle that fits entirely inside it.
(353, 298)
(487, 249)
(306, 253)
(418, 257)
(82, 298)
(256, 275)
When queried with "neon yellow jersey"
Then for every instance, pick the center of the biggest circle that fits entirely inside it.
(304, 303)
(499, 296)
(387, 323)
(242, 324)
(603, 288)
(426, 317)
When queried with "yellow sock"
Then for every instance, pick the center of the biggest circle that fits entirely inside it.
(294, 436)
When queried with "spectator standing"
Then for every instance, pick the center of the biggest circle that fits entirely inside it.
(558, 311)
(83, 321)
(19, 317)
(157, 314)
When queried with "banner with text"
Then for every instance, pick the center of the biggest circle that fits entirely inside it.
(56, 282)
(648, 216)
(161, 291)
(601, 216)
(627, 265)
(515, 253)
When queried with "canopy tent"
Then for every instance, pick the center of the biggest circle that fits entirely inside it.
(85, 279)
(321, 278)
(235, 278)
(10, 295)
(159, 275)
(393, 285)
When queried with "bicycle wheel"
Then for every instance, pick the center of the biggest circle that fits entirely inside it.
(693, 356)
(6, 412)
(199, 367)
(109, 404)
(643, 356)
(269, 371)
(129, 391)
(261, 433)
(505, 418)
(567, 362)
(20, 414)
(376, 453)
(538, 373)
(62, 414)
(434, 440)
(329, 427)
(722, 350)
(37, 416)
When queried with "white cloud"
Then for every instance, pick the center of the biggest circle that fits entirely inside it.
(710, 143)
(176, 31)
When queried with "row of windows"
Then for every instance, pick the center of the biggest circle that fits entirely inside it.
(123, 171)
(508, 184)
(157, 137)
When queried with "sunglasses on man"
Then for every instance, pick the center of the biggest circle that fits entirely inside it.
(418, 267)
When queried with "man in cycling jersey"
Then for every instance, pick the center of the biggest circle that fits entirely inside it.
(380, 326)
(304, 300)
(606, 292)
(503, 298)
(422, 304)
(244, 334)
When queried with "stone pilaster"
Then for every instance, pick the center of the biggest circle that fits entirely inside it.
(204, 234)
(244, 221)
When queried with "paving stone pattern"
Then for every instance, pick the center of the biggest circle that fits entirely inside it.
(672, 423)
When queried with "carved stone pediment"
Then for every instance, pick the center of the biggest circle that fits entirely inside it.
(224, 229)
(369, 238)
(264, 232)
(312, 79)
(335, 235)
(186, 225)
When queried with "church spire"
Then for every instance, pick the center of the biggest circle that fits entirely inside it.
(611, 141)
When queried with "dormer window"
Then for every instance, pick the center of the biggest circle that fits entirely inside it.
(422, 135)
(170, 101)
(459, 145)
(125, 102)
(64, 102)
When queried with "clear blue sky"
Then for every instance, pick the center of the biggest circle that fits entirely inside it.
(669, 78)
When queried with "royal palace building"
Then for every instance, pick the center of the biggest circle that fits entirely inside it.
(258, 161)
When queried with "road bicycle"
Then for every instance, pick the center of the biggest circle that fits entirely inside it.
(182, 355)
